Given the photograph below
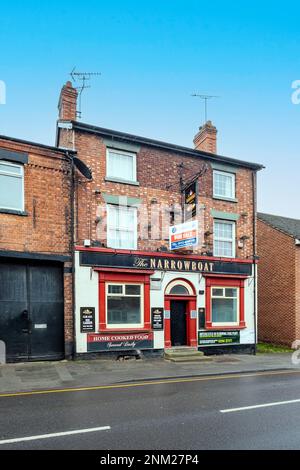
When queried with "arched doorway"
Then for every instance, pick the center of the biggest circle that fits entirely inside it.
(180, 314)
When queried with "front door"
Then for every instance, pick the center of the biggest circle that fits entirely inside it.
(178, 323)
(31, 311)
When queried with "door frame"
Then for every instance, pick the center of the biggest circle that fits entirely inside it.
(191, 317)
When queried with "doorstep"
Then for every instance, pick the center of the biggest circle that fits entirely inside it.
(185, 354)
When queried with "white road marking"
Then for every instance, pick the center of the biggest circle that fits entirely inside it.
(57, 434)
(264, 405)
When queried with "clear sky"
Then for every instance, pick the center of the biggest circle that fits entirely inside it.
(152, 56)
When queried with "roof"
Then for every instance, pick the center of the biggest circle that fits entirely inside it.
(79, 126)
(36, 144)
(284, 224)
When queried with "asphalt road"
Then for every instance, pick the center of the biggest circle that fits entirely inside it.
(194, 414)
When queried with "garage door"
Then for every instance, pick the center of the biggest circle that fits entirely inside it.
(32, 311)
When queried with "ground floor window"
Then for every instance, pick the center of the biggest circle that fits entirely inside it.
(224, 305)
(124, 305)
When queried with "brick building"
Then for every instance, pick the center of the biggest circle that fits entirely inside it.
(278, 245)
(35, 251)
(131, 290)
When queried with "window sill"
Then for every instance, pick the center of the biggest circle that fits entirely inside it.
(124, 330)
(13, 212)
(227, 199)
(224, 328)
(119, 180)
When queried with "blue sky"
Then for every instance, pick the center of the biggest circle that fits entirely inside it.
(152, 56)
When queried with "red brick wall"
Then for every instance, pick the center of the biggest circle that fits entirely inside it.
(47, 226)
(156, 169)
(276, 286)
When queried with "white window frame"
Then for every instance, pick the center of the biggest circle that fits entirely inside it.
(233, 240)
(237, 323)
(12, 175)
(126, 326)
(109, 242)
(233, 178)
(127, 154)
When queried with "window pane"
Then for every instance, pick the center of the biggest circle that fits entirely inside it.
(121, 166)
(224, 310)
(114, 289)
(15, 170)
(11, 192)
(132, 290)
(217, 292)
(231, 292)
(222, 248)
(121, 223)
(179, 290)
(125, 310)
(224, 184)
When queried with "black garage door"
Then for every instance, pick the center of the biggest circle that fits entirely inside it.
(31, 311)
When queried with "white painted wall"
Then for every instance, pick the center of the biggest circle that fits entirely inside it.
(86, 295)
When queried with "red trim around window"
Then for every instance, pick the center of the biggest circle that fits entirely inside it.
(108, 276)
(225, 282)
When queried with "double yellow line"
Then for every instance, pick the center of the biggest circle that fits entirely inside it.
(147, 383)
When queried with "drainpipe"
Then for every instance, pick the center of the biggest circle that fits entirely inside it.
(72, 200)
(254, 188)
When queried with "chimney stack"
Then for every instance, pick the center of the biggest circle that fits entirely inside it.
(206, 138)
(67, 105)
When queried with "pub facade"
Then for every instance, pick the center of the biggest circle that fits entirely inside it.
(165, 242)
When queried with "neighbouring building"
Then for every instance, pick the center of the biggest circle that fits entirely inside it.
(278, 246)
(131, 290)
(36, 319)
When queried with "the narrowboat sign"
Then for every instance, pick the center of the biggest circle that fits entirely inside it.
(163, 263)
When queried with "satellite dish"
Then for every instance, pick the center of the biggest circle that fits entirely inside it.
(84, 170)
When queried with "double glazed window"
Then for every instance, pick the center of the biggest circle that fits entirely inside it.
(11, 186)
(224, 184)
(121, 227)
(124, 305)
(224, 238)
(225, 305)
(121, 165)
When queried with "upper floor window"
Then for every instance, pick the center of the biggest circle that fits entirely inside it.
(224, 184)
(11, 186)
(224, 238)
(121, 165)
(121, 227)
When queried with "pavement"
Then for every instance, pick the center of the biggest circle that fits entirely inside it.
(88, 373)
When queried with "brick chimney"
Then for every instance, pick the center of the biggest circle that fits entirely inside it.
(206, 139)
(67, 105)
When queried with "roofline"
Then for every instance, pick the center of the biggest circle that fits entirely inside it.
(80, 126)
(36, 144)
(288, 234)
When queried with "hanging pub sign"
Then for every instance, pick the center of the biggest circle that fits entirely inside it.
(184, 235)
(157, 318)
(212, 338)
(87, 319)
(190, 201)
(119, 342)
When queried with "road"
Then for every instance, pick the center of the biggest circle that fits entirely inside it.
(251, 411)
